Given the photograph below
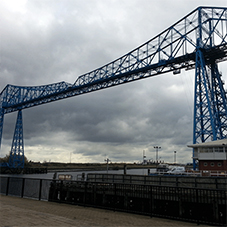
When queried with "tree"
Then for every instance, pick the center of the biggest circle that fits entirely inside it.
(6, 159)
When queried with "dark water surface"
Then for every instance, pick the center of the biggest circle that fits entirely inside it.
(76, 174)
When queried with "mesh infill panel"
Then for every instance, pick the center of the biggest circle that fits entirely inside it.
(3, 185)
(15, 186)
(31, 188)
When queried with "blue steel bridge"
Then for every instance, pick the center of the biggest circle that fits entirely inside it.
(198, 41)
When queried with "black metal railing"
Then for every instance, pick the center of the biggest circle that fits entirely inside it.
(25, 187)
(200, 205)
(188, 204)
(162, 180)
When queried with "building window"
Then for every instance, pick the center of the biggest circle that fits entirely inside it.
(219, 164)
(218, 149)
(212, 164)
(206, 150)
(205, 164)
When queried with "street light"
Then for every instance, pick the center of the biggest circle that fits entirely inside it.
(107, 162)
(157, 148)
(144, 156)
(174, 157)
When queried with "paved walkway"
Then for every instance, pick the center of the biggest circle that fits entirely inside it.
(16, 211)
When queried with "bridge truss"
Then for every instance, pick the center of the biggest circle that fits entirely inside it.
(197, 41)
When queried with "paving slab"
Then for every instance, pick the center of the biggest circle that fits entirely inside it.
(15, 211)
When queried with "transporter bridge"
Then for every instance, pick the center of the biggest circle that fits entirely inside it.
(197, 41)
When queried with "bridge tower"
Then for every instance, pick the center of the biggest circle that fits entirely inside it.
(1, 123)
(16, 159)
(210, 109)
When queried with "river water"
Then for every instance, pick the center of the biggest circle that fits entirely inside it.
(76, 174)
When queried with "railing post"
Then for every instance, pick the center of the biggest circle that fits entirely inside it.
(216, 182)
(151, 202)
(85, 193)
(40, 188)
(7, 186)
(197, 200)
(61, 188)
(22, 190)
(195, 182)
(179, 195)
(115, 196)
(215, 205)
(94, 193)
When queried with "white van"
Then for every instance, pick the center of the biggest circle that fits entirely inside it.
(177, 170)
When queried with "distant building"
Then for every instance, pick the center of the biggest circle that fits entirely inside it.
(211, 156)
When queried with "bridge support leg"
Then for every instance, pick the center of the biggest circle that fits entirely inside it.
(210, 110)
(16, 159)
(1, 124)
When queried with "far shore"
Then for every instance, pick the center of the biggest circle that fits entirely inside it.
(53, 166)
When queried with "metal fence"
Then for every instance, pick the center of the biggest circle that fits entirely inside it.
(198, 205)
(25, 187)
(162, 180)
(188, 204)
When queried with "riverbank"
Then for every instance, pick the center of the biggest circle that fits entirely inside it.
(53, 166)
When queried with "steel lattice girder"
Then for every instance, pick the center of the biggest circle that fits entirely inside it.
(171, 50)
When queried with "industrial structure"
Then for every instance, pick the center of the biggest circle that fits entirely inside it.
(197, 41)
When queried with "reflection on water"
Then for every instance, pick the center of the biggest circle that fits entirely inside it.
(75, 174)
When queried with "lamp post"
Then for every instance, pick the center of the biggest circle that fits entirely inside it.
(174, 157)
(107, 162)
(157, 148)
(144, 156)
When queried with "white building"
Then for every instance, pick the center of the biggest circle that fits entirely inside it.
(211, 156)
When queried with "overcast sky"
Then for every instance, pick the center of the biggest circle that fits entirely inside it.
(48, 41)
